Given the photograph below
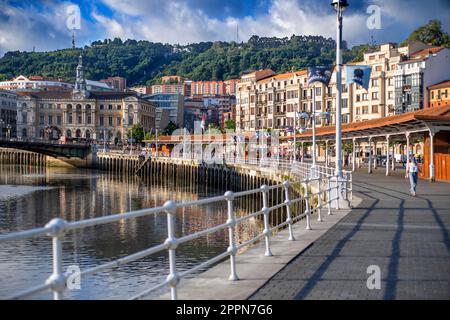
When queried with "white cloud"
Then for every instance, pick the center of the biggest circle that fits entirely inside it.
(176, 21)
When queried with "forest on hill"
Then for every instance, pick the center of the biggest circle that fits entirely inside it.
(144, 62)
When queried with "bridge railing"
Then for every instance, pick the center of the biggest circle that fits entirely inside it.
(316, 190)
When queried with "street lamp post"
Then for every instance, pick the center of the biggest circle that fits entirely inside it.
(313, 119)
(295, 134)
(312, 116)
(339, 6)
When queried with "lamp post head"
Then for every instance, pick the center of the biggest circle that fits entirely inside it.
(339, 4)
(302, 130)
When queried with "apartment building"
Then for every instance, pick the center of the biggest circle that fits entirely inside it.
(439, 94)
(422, 69)
(266, 100)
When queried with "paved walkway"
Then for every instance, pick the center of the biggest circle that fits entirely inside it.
(407, 237)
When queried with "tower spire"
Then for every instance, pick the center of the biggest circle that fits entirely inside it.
(80, 91)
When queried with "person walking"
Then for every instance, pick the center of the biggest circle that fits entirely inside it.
(412, 171)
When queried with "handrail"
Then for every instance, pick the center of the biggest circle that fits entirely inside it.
(58, 228)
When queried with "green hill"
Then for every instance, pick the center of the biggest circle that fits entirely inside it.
(143, 62)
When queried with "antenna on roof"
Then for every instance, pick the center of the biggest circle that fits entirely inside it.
(372, 41)
(73, 40)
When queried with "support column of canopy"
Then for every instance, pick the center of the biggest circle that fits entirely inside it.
(432, 172)
(408, 143)
(359, 155)
(370, 155)
(354, 155)
(326, 153)
(387, 154)
(393, 157)
(375, 154)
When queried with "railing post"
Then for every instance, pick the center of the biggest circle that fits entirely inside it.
(308, 205)
(231, 222)
(287, 201)
(57, 279)
(329, 196)
(351, 187)
(337, 192)
(172, 244)
(319, 200)
(265, 209)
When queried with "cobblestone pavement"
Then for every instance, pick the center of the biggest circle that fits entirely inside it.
(407, 237)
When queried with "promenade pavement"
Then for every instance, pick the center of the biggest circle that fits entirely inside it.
(407, 237)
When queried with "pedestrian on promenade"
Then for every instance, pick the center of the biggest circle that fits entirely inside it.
(412, 171)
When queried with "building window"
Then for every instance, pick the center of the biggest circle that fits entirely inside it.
(391, 95)
(374, 95)
(374, 109)
(102, 120)
(119, 121)
(365, 109)
(110, 121)
(41, 120)
(365, 97)
(80, 119)
(102, 107)
(89, 119)
(358, 110)
(59, 120)
(70, 120)
(375, 82)
(318, 91)
(50, 120)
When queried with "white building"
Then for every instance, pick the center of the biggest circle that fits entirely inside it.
(423, 69)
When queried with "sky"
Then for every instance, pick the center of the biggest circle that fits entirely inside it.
(45, 25)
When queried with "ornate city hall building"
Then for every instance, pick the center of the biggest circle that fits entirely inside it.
(82, 114)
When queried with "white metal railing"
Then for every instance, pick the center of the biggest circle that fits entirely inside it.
(318, 188)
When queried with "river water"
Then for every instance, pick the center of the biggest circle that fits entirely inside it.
(30, 197)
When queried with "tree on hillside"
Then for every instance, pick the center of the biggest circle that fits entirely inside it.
(430, 33)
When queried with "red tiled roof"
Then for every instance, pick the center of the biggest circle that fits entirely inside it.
(443, 84)
(427, 51)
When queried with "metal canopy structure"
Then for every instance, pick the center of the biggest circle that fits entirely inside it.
(390, 129)
(436, 119)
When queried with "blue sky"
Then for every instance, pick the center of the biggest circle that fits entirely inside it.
(42, 24)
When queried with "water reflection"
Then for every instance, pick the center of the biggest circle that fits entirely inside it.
(75, 195)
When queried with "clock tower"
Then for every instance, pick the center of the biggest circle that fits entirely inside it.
(80, 92)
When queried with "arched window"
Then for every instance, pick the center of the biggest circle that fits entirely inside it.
(24, 105)
(78, 133)
(78, 107)
(69, 106)
(88, 134)
(69, 133)
(88, 107)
